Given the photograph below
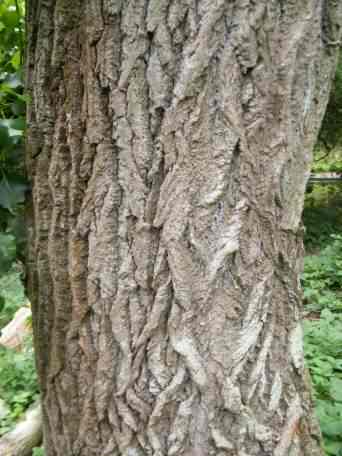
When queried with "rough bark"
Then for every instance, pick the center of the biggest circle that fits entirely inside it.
(169, 146)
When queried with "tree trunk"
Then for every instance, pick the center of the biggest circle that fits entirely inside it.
(169, 146)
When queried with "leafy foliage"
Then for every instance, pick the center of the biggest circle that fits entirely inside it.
(18, 383)
(7, 251)
(328, 151)
(38, 452)
(12, 127)
(11, 34)
(332, 163)
(322, 215)
(12, 293)
(322, 280)
(331, 132)
(323, 348)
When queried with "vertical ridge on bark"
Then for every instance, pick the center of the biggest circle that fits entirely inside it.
(169, 144)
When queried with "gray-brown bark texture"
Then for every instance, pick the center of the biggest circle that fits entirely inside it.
(169, 145)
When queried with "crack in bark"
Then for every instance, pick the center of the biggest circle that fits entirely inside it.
(175, 142)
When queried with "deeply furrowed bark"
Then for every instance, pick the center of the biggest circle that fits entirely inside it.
(169, 145)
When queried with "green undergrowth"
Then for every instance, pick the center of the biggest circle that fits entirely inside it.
(12, 129)
(38, 452)
(322, 215)
(12, 295)
(322, 282)
(18, 383)
(323, 349)
(322, 278)
(18, 380)
(328, 161)
(334, 167)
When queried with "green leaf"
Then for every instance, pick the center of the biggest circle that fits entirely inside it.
(15, 127)
(15, 155)
(2, 303)
(338, 364)
(332, 428)
(336, 389)
(13, 292)
(7, 252)
(16, 60)
(5, 139)
(10, 19)
(6, 89)
(333, 448)
(18, 124)
(14, 80)
(12, 191)
(18, 107)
